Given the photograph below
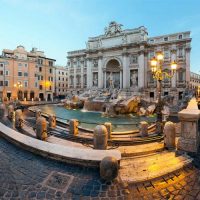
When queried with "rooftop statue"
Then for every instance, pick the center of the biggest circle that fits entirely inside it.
(113, 29)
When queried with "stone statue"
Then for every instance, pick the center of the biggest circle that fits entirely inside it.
(113, 29)
(110, 80)
(134, 79)
(124, 39)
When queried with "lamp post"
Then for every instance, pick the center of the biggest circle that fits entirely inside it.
(157, 71)
(18, 85)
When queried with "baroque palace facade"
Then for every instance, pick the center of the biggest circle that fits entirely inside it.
(121, 58)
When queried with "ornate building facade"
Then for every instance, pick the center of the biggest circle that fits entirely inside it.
(26, 75)
(120, 59)
(195, 83)
(61, 81)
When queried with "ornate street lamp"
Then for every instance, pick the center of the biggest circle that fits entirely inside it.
(158, 74)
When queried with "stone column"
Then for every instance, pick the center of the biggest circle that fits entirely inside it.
(75, 76)
(169, 135)
(173, 57)
(187, 60)
(143, 129)
(121, 79)
(141, 70)
(189, 138)
(104, 79)
(41, 128)
(89, 73)
(52, 121)
(73, 127)
(100, 137)
(18, 119)
(108, 125)
(100, 72)
(126, 71)
(82, 74)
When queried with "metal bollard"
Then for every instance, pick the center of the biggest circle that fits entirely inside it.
(41, 128)
(143, 129)
(73, 127)
(52, 121)
(100, 137)
(169, 135)
(108, 126)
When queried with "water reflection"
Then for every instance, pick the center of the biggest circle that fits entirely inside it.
(90, 119)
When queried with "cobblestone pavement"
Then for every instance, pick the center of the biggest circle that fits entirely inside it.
(24, 175)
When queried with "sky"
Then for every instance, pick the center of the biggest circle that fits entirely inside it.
(59, 26)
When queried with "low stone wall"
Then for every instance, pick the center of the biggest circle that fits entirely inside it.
(68, 154)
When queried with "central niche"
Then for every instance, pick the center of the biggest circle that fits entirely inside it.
(113, 74)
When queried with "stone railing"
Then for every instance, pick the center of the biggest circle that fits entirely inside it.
(189, 138)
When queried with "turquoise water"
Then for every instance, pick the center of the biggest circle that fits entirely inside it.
(90, 119)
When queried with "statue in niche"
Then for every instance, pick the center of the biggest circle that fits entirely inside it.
(110, 80)
(134, 79)
(95, 81)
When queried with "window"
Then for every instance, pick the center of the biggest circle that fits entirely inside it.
(40, 61)
(6, 83)
(134, 59)
(151, 54)
(7, 72)
(41, 77)
(63, 79)
(63, 85)
(166, 54)
(59, 78)
(19, 73)
(180, 37)
(165, 38)
(25, 73)
(25, 83)
(50, 63)
(1, 83)
(40, 69)
(1, 64)
(151, 94)
(59, 84)
(36, 84)
(49, 87)
(25, 65)
(180, 52)
(166, 93)
(40, 87)
(1, 72)
(62, 73)
(58, 72)
(19, 64)
(51, 78)
(50, 70)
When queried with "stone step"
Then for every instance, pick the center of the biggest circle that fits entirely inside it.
(145, 168)
(140, 150)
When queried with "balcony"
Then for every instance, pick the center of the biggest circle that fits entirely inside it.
(151, 84)
(181, 84)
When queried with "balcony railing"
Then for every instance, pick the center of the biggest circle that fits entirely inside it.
(151, 84)
(181, 84)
